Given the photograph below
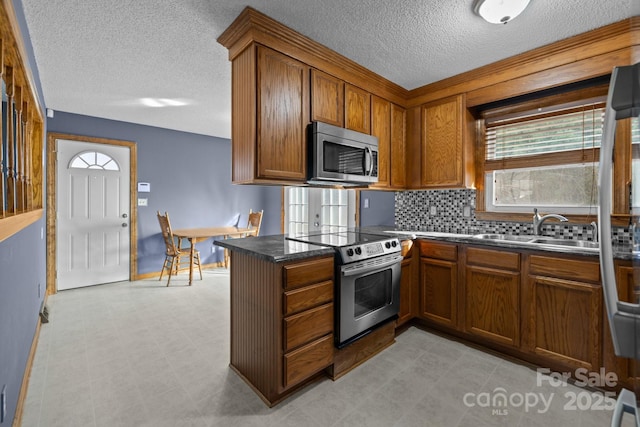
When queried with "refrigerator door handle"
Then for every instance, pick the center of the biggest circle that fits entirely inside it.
(623, 101)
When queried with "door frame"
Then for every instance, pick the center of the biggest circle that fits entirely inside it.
(51, 209)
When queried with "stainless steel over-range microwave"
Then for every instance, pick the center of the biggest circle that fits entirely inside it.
(341, 156)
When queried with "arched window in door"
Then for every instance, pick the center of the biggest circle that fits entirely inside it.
(94, 160)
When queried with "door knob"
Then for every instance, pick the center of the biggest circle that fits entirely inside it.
(124, 224)
(124, 215)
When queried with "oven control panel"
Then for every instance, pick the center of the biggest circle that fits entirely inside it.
(361, 251)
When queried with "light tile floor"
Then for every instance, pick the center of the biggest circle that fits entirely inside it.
(141, 354)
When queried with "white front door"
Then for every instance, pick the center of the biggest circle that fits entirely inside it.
(92, 199)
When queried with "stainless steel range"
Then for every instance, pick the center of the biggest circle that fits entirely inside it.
(367, 281)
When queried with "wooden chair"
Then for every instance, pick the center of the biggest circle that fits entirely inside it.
(253, 224)
(176, 257)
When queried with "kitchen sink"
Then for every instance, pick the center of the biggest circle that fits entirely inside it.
(537, 240)
(506, 237)
(571, 243)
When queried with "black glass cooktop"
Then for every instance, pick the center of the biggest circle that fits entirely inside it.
(339, 239)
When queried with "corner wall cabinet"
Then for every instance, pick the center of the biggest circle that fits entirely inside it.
(447, 148)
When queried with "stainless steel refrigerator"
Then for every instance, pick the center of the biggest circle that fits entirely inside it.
(623, 311)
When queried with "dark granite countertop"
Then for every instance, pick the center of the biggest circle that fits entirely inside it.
(620, 251)
(277, 248)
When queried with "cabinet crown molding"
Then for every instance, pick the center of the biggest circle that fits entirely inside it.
(253, 26)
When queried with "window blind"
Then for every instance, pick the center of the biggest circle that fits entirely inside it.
(575, 129)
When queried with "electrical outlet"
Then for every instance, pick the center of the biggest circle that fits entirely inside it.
(366, 203)
(433, 210)
(142, 202)
(3, 403)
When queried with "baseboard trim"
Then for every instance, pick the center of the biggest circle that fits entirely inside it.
(154, 274)
(22, 397)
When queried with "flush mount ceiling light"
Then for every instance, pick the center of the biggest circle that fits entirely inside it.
(163, 102)
(499, 11)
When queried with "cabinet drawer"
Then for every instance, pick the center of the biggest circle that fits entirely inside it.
(494, 259)
(301, 328)
(306, 361)
(570, 269)
(308, 297)
(308, 272)
(438, 250)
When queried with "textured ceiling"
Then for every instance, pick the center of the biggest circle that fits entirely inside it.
(99, 58)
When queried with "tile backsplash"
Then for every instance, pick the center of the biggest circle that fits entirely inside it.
(453, 211)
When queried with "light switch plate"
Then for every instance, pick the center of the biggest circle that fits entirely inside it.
(466, 211)
(433, 210)
(142, 202)
(366, 203)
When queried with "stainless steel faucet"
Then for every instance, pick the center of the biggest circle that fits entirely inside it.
(538, 220)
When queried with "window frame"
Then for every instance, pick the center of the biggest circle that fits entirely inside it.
(622, 156)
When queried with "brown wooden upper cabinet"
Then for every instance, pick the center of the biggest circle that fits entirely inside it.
(381, 128)
(398, 147)
(327, 98)
(270, 114)
(388, 124)
(357, 109)
(447, 144)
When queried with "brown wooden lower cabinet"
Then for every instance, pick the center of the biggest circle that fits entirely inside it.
(281, 322)
(628, 370)
(565, 310)
(439, 282)
(543, 307)
(408, 285)
(492, 295)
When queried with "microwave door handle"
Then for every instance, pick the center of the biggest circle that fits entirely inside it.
(368, 161)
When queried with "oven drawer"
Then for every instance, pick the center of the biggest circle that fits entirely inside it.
(310, 296)
(301, 328)
(300, 364)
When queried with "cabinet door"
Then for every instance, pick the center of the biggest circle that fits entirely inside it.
(492, 299)
(442, 139)
(406, 292)
(283, 102)
(327, 98)
(357, 108)
(438, 291)
(565, 321)
(492, 295)
(381, 127)
(398, 169)
(626, 369)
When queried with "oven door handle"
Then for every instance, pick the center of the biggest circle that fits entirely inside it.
(370, 268)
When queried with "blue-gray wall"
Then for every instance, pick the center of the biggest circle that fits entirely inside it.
(22, 271)
(190, 177)
(381, 210)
